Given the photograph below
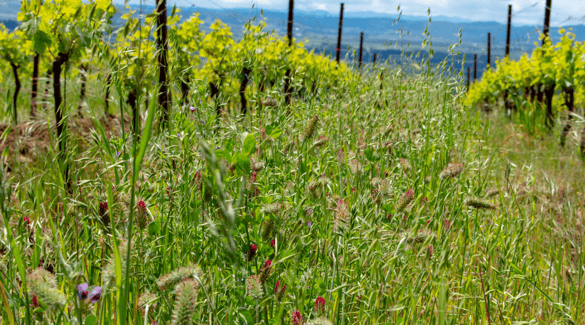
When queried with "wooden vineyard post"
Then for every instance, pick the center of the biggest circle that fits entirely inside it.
(162, 46)
(468, 77)
(546, 26)
(245, 79)
(474, 67)
(107, 95)
(35, 85)
(569, 102)
(338, 53)
(489, 50)
(374, 59)
(15, 68)
(549, 89)
(361, 50)
(57, 66)
(83, 69)
(509, 30)
(287, 90)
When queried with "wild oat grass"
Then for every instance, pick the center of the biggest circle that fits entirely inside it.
(338, 213)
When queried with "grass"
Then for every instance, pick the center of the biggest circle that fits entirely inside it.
(324, 207)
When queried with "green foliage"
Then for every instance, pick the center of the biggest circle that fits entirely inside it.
(561, 64)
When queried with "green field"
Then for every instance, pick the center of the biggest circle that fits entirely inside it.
(375, 197)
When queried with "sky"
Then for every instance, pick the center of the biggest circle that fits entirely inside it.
(526, 12)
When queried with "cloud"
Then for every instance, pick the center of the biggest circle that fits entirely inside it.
(527, 12)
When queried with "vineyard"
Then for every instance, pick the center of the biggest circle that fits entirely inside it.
(545, 84)
(156, 173)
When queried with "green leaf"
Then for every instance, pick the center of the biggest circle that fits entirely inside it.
(369, 153)
(229, 146)
(249, 144)
(243, 163)
(221, 153)
(154, 227)
(144, 139)
(41, 41)
(268, 129)
(276, 133)
(90, 320)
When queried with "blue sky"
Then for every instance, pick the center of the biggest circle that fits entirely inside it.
(532, 11)
(527, 12)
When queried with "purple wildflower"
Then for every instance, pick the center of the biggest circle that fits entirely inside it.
(96, 294)
(82, 292)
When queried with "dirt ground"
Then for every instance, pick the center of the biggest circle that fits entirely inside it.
(33, 138)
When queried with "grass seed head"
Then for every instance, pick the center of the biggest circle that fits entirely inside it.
(321, 141)
(340, 156)
(406, 165)
(310, 129)
(272, 208)
(320, 321)
(254, 287)
(341, 215)
(147, 299)
(170, 280)
(186, 295)
(268, 230)
(270, 102)
(43, 284)
(257, 166)
(405, 200)
(492, 192)
(355, 166)
(452, 171)
(480, 204)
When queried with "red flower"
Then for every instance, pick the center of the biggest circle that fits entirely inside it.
(252, 252)
(35, 302)
(272, 243)
(320, 305)
(297, 318)
(266, 271)
(103, 208)
(279, 290)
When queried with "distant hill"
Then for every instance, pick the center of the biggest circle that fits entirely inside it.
(381, 28)
(10, 24)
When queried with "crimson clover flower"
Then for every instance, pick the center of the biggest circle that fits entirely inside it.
(297, 318)
(320, 305)
(252, 252)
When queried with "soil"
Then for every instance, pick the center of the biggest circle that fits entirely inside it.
(34, 139)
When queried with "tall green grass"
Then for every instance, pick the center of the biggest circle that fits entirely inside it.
(356, 211)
